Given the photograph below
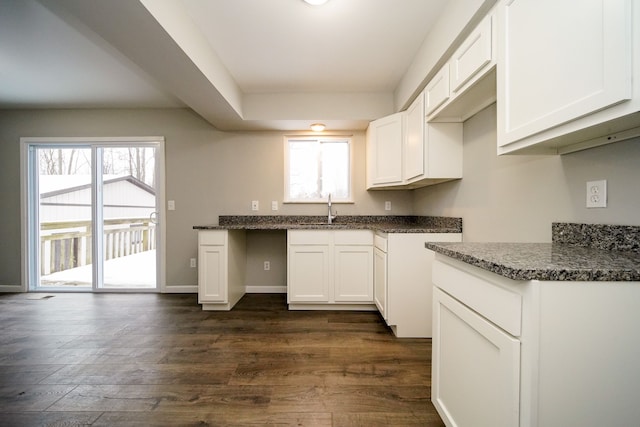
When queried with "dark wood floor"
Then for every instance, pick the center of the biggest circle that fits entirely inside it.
(148, 359)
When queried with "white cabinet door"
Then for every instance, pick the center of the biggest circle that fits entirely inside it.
(308, 273)
(414, 139)
(380, 281)
(384, 146)
(212, 273)
(353, 273)
(476, 368)
(472, 55)
(559, 61)
(437, 90)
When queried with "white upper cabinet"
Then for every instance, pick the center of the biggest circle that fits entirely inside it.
(565, 73)
(472, 56)
(437, 90)
(428, 153)
(384, 151)
(467, 82)
(432, 151)
(414, 143)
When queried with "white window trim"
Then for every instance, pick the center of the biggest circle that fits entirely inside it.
(348, 138)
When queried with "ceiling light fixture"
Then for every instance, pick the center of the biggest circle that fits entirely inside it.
(316, 2)
(317, 127)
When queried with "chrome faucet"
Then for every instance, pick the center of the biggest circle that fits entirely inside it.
(331, 217)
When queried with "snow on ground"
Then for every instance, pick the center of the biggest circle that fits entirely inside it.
(131, 271)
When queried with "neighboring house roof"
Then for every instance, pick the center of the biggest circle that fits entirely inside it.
(53, 185)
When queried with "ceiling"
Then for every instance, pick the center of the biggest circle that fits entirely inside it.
(240, 64)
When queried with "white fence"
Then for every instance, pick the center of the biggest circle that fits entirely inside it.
(65, 245)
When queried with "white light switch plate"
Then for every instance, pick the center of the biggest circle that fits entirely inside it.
(597, 194)
(171, 205)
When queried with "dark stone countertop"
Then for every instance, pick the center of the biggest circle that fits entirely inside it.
(578, 252)
(384, 223)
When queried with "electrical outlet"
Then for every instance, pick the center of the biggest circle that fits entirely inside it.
(267, 266)
(192, 262)
(255, 205)
(171, 205)
(597, 194)
(274, 205)
(387, 205)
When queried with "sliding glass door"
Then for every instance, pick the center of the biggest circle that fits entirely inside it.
(93, 221)
(64, 222)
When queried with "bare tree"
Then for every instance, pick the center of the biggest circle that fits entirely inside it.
(134, 161)
(61, 161)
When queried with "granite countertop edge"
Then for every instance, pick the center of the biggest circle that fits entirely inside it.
(386, 224)
(545, 261)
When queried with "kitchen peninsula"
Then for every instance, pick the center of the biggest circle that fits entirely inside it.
(331, 266)
(539, 334)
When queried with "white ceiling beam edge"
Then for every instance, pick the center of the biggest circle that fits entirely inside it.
(130, 28)
(172, 16)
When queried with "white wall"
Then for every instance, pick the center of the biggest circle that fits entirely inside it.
(516, 198)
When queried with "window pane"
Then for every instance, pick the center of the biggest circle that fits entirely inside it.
(335, 169)
(303, 170)
(317, 168)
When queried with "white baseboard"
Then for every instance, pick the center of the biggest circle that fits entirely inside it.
(266, 289)
(11, 288)
(177, 289)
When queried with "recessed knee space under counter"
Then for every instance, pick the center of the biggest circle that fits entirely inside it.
(339, 266)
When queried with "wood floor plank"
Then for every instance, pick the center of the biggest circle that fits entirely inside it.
(142, 373)
(26, 374)
(383, 419)
(348, 399)
(238, 419)
(164, 398)
(328, 372)
(31, 419)
(31, 397)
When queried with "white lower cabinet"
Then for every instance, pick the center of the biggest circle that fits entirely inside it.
(403, 287)
(329, 269)
(533, 353)
(472, 352)
(221, 268)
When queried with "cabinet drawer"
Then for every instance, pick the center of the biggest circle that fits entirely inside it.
(212, 237)
(353, 237)
(309, 237)
(480, 292)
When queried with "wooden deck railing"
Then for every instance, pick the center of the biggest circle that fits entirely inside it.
(65, 245)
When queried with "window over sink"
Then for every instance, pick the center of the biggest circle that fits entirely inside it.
(316, 167)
